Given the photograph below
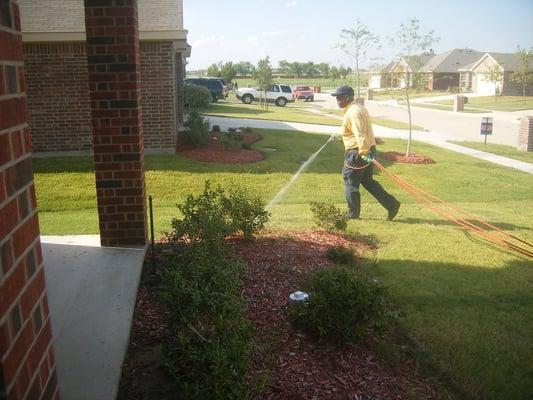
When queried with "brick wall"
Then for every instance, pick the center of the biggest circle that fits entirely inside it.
(58, 96)
(114, 83)
(27, 366)
(158, 95)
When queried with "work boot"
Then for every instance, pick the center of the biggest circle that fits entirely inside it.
(394, 210)
(351, 215)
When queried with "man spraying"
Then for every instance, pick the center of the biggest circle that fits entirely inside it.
(360, 146)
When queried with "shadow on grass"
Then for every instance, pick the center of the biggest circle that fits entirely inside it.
(501, 225)
(470, 323)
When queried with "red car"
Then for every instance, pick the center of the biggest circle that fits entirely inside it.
(303, 92)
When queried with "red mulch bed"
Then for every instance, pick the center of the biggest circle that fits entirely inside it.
(402, 158)
(297, 366)
(215, 152)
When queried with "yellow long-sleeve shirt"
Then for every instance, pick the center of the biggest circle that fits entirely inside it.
(357, 129)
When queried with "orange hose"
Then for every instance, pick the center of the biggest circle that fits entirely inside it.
(424, 197)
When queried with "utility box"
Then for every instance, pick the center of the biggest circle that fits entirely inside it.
(370, 94)
(459, 103)
(525, 134)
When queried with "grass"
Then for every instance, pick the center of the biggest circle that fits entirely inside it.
(502, 103)
(445, 107)
(391, 94)
(292, 112)
(499, 149)
(466, 303)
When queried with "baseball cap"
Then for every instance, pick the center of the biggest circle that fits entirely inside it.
(343, 91)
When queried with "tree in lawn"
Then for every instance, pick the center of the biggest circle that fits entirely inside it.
(228, 71)
(244, 68)
(213, 70)
(334, 74)
(524, 71)
(494, 75)
(263, 77)
(411, 42)
(355, 43)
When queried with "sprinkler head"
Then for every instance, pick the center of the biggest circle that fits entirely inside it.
(298, 296)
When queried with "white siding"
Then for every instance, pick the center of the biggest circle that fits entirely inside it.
(68, 15)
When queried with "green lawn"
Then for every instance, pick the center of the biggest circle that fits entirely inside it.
(502, 103)
(292, 112)
(468, 304)
(499, 149)
(445, 107)
(399, 94)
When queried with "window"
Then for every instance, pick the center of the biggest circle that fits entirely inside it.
(5, 13)
(274, 88)
(286, 89)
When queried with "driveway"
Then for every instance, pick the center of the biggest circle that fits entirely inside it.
(464, 126)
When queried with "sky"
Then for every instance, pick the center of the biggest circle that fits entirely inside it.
(308, 30)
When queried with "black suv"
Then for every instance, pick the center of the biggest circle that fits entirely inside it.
(214, 85)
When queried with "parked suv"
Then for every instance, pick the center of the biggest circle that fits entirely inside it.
(278, 94)
(214, 85)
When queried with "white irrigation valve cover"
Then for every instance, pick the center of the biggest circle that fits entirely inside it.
(299, 296)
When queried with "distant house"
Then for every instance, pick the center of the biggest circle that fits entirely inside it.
(443, 70)
(474, 76)
(379, 77)
(53, 34)
(393, 74)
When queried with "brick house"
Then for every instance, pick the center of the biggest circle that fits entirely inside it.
(443, 70)
(53, 34)
(108, 97)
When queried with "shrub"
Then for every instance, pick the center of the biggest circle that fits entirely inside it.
(343, 304)
(196, 96)
(231, 140)
(246, 211)
(215, 214)
(328, 217)
(197, 129)
(204, 218)
(342, 255)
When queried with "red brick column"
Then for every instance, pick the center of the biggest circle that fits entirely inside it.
(27, 366)
(114, 83)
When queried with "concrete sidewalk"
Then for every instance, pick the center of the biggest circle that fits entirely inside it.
(434, 138)
(91, 295)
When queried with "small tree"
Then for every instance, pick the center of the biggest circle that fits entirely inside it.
(334, 74)
(213, 70)
(228, 71)
(355, 43)
(411, 41)
(523, 74)
(494, 74)
(263, 77)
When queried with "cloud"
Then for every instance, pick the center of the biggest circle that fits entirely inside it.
(291, 3)
(206, 41)
(252, 40)
(273, 34)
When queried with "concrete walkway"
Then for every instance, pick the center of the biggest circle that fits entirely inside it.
(91, 295)
(434, 138)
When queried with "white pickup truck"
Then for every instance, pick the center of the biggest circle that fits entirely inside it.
(278, 94)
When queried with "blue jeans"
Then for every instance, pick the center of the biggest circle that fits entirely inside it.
(353, 178)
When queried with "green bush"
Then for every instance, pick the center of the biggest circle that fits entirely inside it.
(196, 96)
(231, 140)
(343, 305)
(342, 255)
(246, 211)
(197, 129)
(328, 217)
(215, 214)
(205, 218)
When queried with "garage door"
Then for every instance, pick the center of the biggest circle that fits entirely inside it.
(484, 87)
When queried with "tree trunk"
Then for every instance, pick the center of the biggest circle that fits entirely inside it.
(524, 93)
(358, 85)
(410, 125)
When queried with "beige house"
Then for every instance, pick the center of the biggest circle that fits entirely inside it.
(56, 73)
(474, 77)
